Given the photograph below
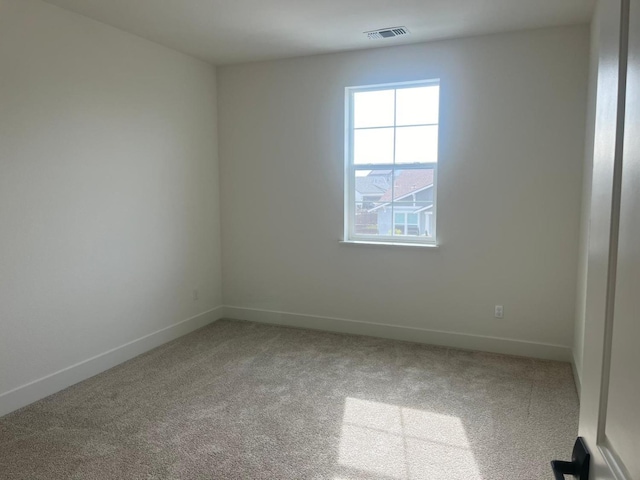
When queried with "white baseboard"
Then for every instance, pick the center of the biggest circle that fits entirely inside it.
(45, 386)
(464, 341)
(576, 374)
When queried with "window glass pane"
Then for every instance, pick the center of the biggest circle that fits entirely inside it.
(372, 218)
(373, 146)
(412, 201)
(373, 215)
(373, 109)
(417, 144)
(417, 105)
(407, 211)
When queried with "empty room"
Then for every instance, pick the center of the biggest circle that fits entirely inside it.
(341, 240)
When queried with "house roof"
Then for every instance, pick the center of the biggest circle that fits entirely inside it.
(372, 185)
(408, 182)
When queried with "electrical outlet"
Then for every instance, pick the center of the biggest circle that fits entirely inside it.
(499, 312)
(195, 295)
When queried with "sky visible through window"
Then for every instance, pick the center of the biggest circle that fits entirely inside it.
(396, 126)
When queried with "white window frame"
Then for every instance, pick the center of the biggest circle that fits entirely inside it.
(350, 168)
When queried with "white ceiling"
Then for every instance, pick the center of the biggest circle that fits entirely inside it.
(231, 31)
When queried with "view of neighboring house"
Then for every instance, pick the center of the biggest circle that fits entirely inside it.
(401, 207)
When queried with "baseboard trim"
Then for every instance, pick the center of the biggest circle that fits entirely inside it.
(50, 384)
(464, 341)
(45, 386)
(576, 373)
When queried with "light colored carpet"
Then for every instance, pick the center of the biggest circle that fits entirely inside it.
(238, 400)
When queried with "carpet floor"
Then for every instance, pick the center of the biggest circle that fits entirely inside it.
(238, 400)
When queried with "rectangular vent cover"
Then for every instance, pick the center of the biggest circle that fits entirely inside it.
(387, 33)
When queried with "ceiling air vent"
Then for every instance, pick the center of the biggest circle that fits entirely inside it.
(387, 33)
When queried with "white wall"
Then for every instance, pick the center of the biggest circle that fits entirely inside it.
(512, 138)
(108, 191)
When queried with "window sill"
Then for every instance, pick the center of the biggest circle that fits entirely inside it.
(389, 244)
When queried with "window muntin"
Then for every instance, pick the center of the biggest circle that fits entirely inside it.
(391, 162)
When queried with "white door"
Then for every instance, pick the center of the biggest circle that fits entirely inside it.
(610, 395)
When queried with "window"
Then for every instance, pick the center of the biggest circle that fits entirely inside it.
(391, 162)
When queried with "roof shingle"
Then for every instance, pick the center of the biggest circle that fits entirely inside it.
(407, 182)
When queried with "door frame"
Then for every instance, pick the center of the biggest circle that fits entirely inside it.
(610, 31)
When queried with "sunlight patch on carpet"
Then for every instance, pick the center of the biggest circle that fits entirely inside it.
(404, 443)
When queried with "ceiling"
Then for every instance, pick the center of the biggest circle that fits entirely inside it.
(232, 31)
